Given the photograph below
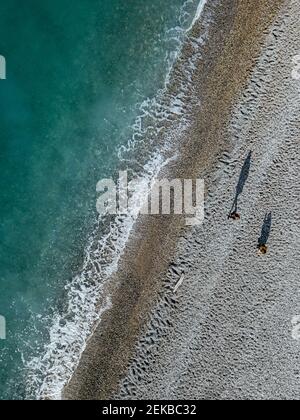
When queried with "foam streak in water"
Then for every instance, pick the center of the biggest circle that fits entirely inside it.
(87, 299)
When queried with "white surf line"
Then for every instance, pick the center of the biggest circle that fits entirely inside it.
(198, 14)
(52, 386)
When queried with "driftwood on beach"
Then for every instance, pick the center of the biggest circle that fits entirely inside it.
(179, 283)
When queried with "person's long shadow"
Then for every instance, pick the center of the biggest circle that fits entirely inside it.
(265, 231)
(241, 184)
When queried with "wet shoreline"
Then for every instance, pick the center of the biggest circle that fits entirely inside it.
(237, 31)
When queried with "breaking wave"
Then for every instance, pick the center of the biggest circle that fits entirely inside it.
(161, 122)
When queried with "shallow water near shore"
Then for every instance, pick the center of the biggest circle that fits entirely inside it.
(76, 78)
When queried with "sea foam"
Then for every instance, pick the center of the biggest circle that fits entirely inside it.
(86, 295)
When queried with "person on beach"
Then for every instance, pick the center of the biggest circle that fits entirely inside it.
(234, 216)
(263, 249)
(265, 234)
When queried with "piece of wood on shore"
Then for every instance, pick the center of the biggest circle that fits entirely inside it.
(179, 283)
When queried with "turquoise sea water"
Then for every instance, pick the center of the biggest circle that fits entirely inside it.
(76, 72)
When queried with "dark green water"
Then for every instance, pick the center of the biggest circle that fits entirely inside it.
(75, 74)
